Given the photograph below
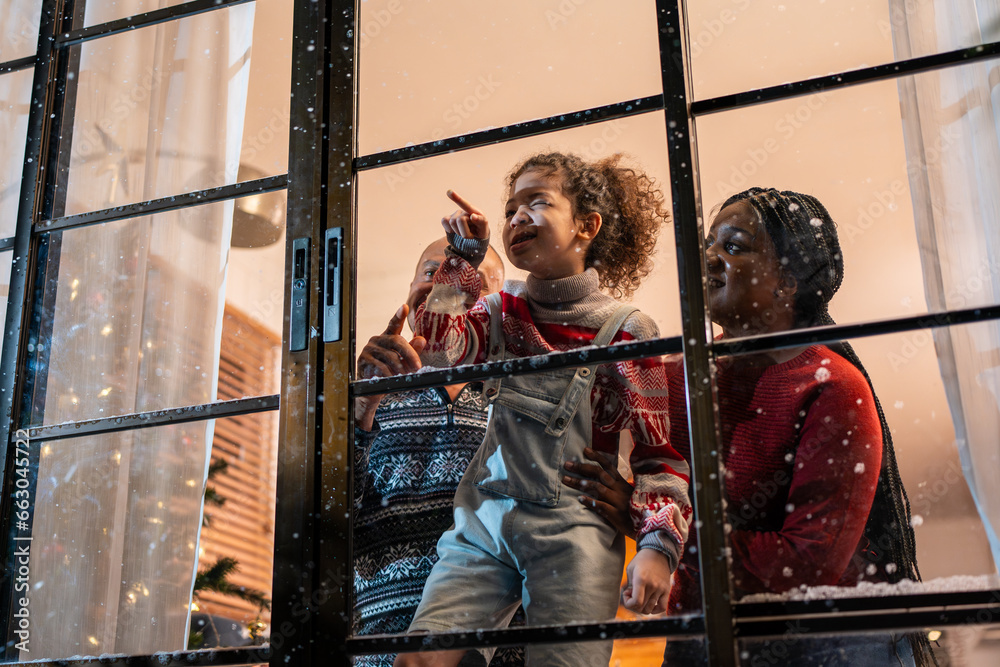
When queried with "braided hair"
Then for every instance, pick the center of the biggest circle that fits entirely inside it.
(805, 239)
(631, 207)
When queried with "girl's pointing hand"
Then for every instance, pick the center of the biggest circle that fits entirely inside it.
(468, 221)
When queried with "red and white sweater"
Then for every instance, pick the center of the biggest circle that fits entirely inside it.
(802, 447)
(542, 316)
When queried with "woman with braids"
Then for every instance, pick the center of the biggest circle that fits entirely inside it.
(576, 228)
(813, 493)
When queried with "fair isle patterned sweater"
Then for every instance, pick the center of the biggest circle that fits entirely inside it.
(543, 316)
(405, 475)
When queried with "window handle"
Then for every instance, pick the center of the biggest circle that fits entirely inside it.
(332, 282)
(298, 333)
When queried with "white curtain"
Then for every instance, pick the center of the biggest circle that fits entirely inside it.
(136, 326)
(951, 121)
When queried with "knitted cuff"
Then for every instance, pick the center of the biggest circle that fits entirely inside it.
(658, 541)
(471, 250)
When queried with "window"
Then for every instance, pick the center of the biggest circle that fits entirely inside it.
(182, 288)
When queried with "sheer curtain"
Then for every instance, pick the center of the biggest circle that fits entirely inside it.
(136, 325)
(951, 122)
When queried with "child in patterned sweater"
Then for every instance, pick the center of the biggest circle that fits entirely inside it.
(520, 535)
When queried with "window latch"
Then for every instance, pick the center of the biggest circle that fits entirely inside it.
(298, 330)
(332, 284)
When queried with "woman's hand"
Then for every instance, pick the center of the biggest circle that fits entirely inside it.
(468, 221)
(385, 355)
(608, 493)
(648, 587)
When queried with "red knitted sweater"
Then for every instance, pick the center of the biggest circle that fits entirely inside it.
(802, 450)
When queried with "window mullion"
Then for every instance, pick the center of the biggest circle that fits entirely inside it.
(699, 369)
(44, 100)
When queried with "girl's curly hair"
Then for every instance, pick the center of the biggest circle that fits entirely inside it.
(631, 207)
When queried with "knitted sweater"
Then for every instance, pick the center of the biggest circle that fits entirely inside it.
(802, 447)
(405, 475)
(542, 316)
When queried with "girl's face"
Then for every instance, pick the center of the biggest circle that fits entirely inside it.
(540, 233)
(748, 293)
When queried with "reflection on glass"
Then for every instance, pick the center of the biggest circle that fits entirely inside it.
(160, 110)
(114, 522)
(739, 45)
(449, 68)
(159, 312)
(20, 20)
(15, 97)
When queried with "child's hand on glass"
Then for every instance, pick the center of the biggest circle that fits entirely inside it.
(648, 587)
(468, 221)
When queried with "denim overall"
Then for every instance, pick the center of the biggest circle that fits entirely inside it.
(520, 534)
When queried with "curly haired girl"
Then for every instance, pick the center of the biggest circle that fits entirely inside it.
(520, 534)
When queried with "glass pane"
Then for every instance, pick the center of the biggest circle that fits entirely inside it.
(102, 12)
(972, 645)
(387, 258)
(160, 312)
(264, 148)
(739, 45)
(175, 117)
(15, 98)
(450, 68)
(813, 507)
(20, 20)
(112, 526)
(905, 187)
(5, 265)
(410, 468)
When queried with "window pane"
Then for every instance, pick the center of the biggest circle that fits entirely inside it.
(174, 117)
(952, 645)
(160, 312)
(19, 37)
(412, 467)
(5, 262)
(907, 191)
(387, 258)
(15, 98)
(102, 12)
(450, 68)
(810, 518)
(114, 529)
(739, 45)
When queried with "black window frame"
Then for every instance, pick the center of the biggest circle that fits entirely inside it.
(313, 543)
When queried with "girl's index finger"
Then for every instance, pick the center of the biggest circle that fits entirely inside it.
(466, 206)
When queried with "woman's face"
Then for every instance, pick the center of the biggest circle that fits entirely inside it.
(747, 290)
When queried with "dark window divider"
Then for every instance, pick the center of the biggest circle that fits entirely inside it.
(520, 366)
(143, 20)
(17, 65)
(675, 626)
(842, 332)
(849, 78)
(192, 413)
(510, 132)
(747, 611)
(650, 348)
(7, 243)
(846, 615)
(164, 204)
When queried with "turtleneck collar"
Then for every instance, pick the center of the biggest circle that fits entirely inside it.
(564, 290)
